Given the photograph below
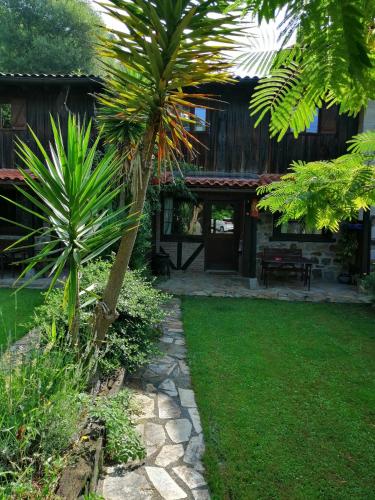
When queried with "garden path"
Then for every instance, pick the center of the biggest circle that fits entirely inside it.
(232, 285)
(170, 425)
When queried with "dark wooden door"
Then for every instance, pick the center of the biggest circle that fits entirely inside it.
(222, 234)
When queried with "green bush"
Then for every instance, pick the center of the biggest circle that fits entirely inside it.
(40, 408)
(131, 339)
(123, 443)
(369, 284)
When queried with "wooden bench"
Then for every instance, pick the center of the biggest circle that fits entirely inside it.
(285, 260)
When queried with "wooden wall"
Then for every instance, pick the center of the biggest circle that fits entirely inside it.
(234, 145)
(41, 100)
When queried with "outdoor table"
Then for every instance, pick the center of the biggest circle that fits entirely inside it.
(286, 263)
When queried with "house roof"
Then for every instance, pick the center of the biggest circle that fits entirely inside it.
(201, 180)
(74, 77)
(55, 78)
(221, 179)
(10, 174)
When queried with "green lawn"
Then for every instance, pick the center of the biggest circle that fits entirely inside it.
(286, 392)
(15, 312)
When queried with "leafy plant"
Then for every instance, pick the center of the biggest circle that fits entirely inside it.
(48, 36)
(325, 193)
(347, 248)
(368, 283)
(123, 443)
(131, 340)
(72, 201)
(40, 407)
(331, 62)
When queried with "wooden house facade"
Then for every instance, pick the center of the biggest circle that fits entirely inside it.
(217, 228)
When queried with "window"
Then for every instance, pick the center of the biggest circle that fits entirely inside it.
(200, 115)
(13, 114)
(297, 231)
(324, 122)
(222, 218)
(313, 128)
(182, 217)
(5, 115)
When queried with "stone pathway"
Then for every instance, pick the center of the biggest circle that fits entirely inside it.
(170, 426)
(224, 285)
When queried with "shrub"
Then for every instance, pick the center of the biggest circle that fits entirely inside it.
(369, 284)
(40, 408)
(123, 443)
(131, 339)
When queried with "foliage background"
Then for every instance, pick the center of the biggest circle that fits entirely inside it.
(48, 36)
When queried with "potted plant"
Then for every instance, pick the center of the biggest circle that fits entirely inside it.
(347, 248)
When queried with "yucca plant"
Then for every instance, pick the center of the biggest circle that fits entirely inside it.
(72, 198)
(165, 46)
(325, 193)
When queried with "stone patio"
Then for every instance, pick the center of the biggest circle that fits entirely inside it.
(170, 426)
(231, 285)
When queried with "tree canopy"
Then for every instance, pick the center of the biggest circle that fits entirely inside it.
(47, 36)
(325, 193)
(331, 62)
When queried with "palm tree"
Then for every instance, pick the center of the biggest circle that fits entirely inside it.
(165, 46)
(72, 195)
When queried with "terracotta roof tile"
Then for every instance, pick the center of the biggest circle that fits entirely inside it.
(10, 174)
(212, 181)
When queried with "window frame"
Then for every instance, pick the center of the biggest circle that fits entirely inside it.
(6, 103)
(178, 236)
(325, 236)
(18, 114)
(192, 126)
(322, 128)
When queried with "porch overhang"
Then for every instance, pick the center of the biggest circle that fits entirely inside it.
(10, 176)
(217, 181)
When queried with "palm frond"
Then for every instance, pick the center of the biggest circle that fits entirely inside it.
(165, 46)
(332, 62)
(363, 143)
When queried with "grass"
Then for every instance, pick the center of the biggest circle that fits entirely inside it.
(15, 312)
(286, 392)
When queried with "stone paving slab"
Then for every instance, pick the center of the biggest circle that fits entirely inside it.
(223, 285)
(170, 426)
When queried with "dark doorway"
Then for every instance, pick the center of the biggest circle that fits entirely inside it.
(222, 234)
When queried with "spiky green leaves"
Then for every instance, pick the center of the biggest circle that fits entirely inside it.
(164, 46)
(72, 197)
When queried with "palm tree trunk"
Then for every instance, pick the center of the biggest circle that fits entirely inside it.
(105, 313)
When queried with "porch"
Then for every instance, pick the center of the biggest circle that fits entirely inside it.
(234, 285)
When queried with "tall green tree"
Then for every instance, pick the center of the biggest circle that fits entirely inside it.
(47, 36)
(166, 46)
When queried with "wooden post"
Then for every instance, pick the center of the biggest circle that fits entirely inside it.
(250, 242)
(366, 243)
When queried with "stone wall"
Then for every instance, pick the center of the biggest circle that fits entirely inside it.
(326, 266)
